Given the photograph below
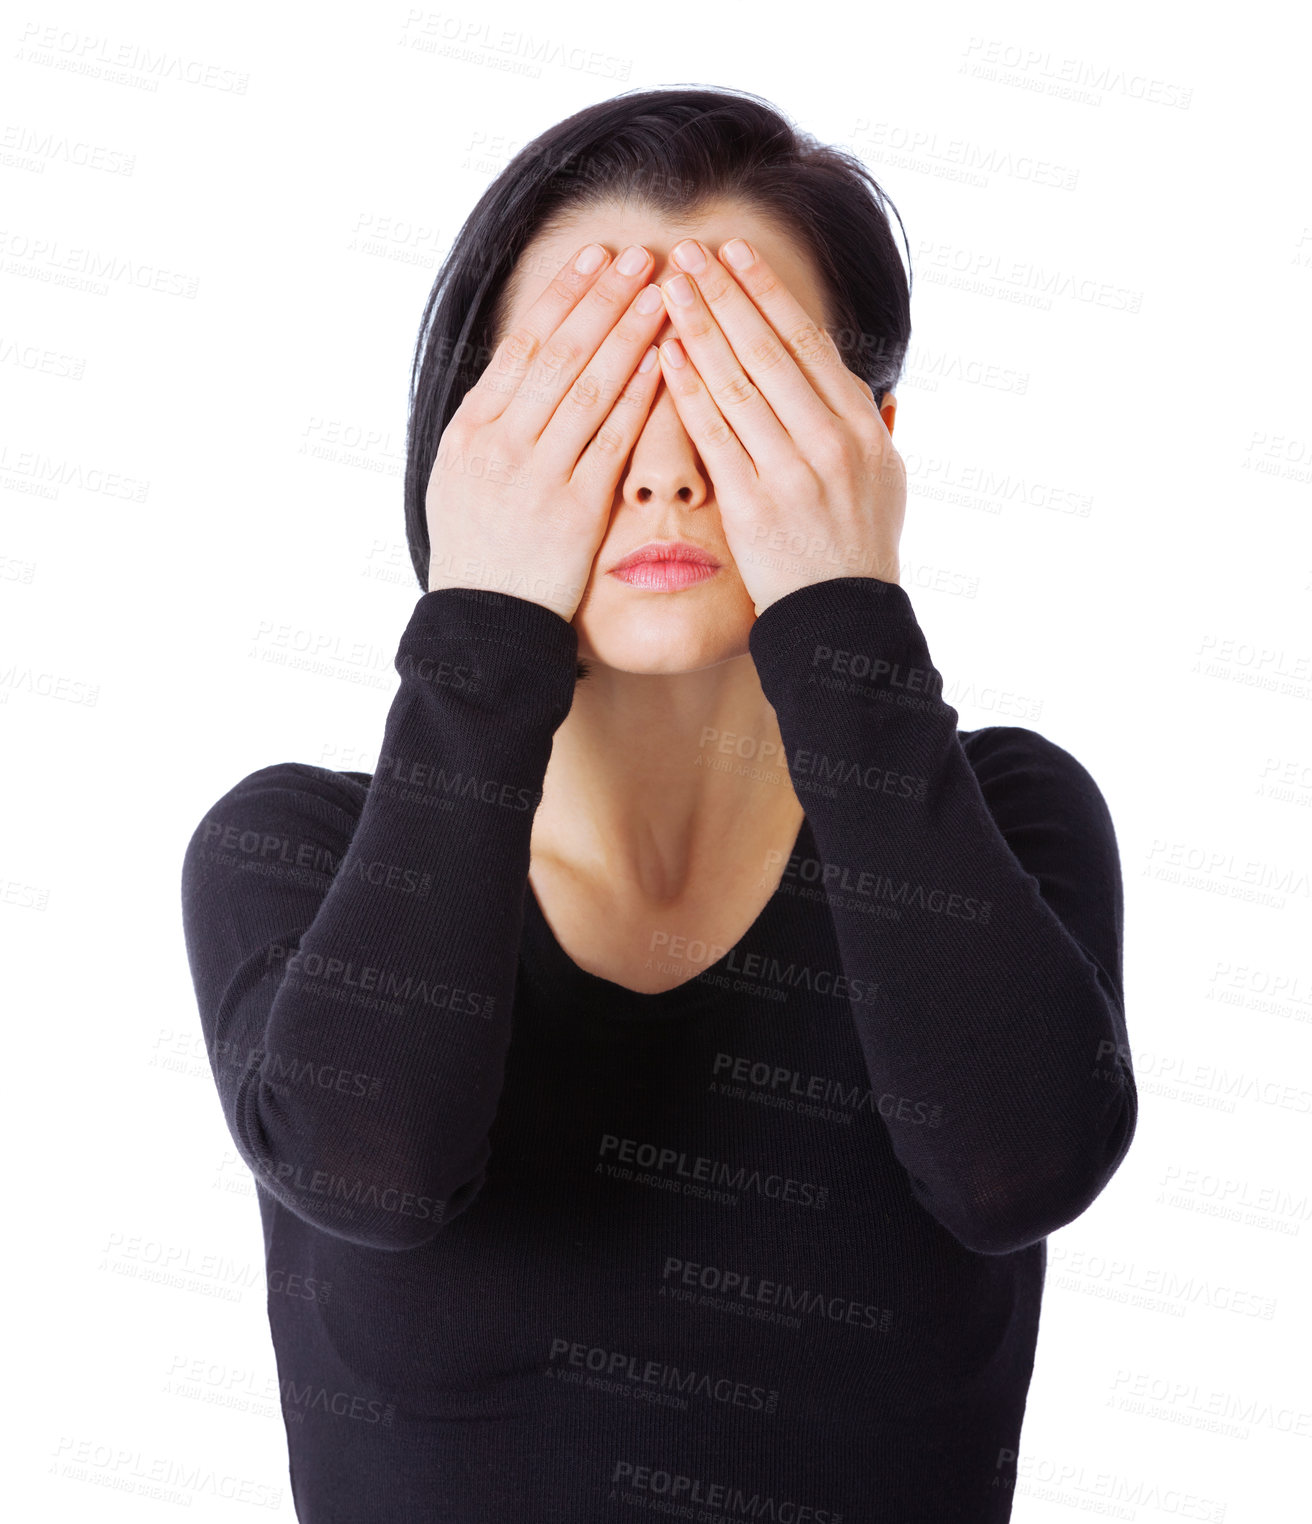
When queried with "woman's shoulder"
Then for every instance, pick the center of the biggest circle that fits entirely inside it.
(283, 801)
(304, 780)
(1016, 743)
(1013, 762)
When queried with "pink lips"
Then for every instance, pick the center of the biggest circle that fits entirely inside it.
(666, 566)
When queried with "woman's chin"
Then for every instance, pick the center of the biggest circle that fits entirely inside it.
(636, 630)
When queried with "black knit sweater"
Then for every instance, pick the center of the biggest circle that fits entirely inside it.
(768, 1245)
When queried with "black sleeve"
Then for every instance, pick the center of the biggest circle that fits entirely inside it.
(354, 951)
(976, 895)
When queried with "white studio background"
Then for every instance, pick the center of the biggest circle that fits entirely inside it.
(219, 229)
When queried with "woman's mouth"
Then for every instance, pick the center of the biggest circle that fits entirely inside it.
(666, 566)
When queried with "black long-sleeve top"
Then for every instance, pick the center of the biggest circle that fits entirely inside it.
(767, 1245)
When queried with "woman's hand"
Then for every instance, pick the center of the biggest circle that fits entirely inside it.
(803, 468)
(520, 495)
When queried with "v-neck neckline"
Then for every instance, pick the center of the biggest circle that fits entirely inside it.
(555, 974)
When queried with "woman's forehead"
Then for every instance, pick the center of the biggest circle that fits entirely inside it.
(616, 225)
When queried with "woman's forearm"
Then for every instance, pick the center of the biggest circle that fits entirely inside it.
(355, 958)
(978, 916)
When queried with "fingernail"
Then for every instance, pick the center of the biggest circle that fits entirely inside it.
(590, 259)
(632, 259)
(688, 255)
(680, 289)
(738, 254)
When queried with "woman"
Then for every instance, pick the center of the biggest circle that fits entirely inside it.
(661, 1086)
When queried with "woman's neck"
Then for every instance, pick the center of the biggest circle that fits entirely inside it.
(657, 785)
